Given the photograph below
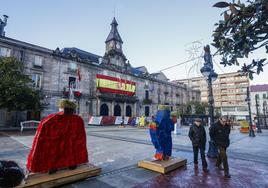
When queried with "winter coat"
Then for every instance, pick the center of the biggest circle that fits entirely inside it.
(197, 134)
(220, 134)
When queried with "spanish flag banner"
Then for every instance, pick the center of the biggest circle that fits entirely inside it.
(109, 84)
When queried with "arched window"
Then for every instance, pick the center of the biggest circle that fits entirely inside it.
(128, 111)
(117, 110)
(104, 110)
(147, 111)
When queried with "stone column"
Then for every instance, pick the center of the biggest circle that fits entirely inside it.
(124, 109)
(135, 110)
(112, 110)
(98, 106)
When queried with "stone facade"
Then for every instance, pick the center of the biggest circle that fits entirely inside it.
(54, 70)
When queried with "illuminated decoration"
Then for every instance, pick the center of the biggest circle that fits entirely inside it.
(108, 84)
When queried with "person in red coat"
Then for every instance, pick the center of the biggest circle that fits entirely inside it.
(59, 142)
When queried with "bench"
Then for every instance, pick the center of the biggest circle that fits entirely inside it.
(31, 124)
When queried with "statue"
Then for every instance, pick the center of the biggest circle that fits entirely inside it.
(160, 132)
(59, 142)
(3, 23)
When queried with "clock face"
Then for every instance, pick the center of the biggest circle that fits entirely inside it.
(118, 46)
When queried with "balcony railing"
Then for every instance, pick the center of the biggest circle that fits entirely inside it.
(117, 97)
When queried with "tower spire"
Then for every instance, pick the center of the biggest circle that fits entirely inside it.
(114, 34)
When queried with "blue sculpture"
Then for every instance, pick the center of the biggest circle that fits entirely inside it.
(160, 132)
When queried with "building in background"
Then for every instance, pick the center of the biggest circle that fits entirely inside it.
(102, 85)
(259, 92)
(229, 91)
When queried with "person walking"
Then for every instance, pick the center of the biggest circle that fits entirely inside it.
(197, 134)
(122, 123)
(219, 133)
(230, 123)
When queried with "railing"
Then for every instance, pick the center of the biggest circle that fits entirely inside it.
(29, 124)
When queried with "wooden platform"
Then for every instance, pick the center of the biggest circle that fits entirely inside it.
(61, 177)
(163, 166)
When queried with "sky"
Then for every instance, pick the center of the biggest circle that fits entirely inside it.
(156, 33)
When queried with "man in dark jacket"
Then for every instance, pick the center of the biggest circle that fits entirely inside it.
(197, 134)
(219, 133)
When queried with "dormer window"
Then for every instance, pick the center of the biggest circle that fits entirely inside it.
(38, 61)
(5, 52)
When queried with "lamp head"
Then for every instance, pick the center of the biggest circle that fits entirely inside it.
(205, 70)
(213, 76)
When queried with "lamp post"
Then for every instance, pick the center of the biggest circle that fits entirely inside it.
(264, 113)
(258, 115)
(251, 132)
(208, 72)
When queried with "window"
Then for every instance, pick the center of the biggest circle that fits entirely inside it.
(38, 60)
(257, 96)
(264, 96)
(21, 55)
(5, 52)
(231, 109)
(146, 94)
(73, 66)
(72, 82)
(37, 80)
(242, 109)
(147, 111)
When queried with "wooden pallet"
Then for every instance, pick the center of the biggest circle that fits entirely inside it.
(163, 166)
(61, 177)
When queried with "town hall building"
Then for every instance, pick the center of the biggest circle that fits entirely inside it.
(101, 85)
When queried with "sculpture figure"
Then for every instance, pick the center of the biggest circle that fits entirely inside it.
(161, 134)
(3, 23)
(59, 142)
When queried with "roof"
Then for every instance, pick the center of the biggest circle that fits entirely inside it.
(136, 71)
(256, 88)
(142, 69)
(114, 34)
(159, 75)
(24, 44)
(84, 55)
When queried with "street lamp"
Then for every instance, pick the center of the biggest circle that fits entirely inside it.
(251, 132)
(208, 72)
(258, 115)
(264, 113)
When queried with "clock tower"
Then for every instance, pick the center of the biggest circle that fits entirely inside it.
(113, 51)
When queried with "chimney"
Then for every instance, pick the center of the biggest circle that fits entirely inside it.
(2, 25)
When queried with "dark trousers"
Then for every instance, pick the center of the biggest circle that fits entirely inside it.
(203, 157)
(222, 158)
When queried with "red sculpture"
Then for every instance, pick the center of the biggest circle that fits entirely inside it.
(60, 142)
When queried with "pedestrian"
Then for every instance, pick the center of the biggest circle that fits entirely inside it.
(230, 123)
(197, 134)
(122, 122)
(142, 121)
(219, 133)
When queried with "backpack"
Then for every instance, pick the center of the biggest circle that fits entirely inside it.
(11, 174)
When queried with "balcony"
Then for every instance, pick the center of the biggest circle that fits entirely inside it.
(117, 97)
(147, 101)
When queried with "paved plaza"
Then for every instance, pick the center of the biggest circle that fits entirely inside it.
(118, 150)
